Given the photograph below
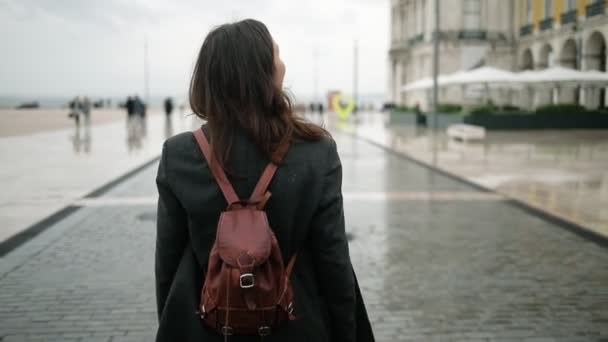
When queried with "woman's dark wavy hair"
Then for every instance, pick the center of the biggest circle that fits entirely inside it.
(233, 87)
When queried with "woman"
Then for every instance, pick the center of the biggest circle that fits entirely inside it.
(237, 88)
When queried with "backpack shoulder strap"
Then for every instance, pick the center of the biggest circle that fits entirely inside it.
(216, 168)
(266, 178)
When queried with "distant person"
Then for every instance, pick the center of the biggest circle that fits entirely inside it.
(130, 107)
(420, 118)
(253, 283)
(140, 107)
(86, 110)
(168, 106)
(321, 108)
(75, 109)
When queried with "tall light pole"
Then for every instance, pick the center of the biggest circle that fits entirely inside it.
(315, 74)
(146, 73)
(356, 76)
(436, 65)
(436, 36)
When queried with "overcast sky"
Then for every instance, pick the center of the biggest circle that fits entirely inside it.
(96, 47)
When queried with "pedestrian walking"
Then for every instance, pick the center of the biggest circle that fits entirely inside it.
(75, 110)
(168, 104)
(251, 241)
(140, 107)
(130, 107)
(86, 110)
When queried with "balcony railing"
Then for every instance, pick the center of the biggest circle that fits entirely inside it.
(443, 35)
(596, 8)
(546, 24)
(526, 30)
(416, 39)
(472, 34)
(398, 46)
(569, 17)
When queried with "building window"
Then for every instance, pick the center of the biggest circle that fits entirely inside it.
(528, 11)
(472, 15)
(548, 8)
(570, 5)
(420, 21)
(403, 33)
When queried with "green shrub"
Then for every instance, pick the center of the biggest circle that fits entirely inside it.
(483, 110)
(403, 109)
(449, 108)
(560, 109)
(600, 111)
(510, 108)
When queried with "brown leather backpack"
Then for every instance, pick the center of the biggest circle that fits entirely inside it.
(247, 290)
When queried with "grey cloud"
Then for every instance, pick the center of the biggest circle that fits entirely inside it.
(107, 14)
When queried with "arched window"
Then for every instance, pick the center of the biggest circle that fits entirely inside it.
(472, 15)
(528, 11)
(570, 5)
(548, 8)
(421, 9)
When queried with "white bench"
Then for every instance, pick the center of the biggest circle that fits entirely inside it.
(466, 132)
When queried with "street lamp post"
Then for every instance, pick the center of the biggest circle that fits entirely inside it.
(435, 85)
(435, 65)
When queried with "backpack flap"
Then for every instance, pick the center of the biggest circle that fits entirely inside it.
(243, 238)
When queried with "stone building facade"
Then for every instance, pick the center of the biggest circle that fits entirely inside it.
(509, 34)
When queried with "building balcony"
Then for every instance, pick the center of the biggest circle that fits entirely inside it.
(546, 24)
(444, 35)
(398, 47)
(526, 30)
(569, 17)
(472, 34)
(596, 8)
(416, 39)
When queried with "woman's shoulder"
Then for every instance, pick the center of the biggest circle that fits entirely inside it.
(317, 151)
(179, 144)
(320, 150)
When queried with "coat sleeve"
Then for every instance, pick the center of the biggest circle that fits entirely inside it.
(330, 253)
(171, 234)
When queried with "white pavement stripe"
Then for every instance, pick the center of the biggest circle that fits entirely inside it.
(116, 201)
(348, 196)
(422, 196)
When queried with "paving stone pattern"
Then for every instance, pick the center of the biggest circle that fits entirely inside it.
(444, 270)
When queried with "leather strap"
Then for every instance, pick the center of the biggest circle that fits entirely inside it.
(266, 178)
(259, 195)
(290, 265)
(216, 169)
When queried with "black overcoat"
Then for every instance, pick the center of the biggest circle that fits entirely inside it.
(305, 212)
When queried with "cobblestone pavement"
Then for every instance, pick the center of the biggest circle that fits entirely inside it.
(437, 261)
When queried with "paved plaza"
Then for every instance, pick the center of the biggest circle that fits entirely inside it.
(46, 171)
(563, 173)
(437, 259)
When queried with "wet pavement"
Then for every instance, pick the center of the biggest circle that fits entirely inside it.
(44, 172)
(564, 173)
(438, 260)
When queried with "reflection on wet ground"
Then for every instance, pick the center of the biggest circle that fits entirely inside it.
(562, 172)
(46, 171)
(437, 260)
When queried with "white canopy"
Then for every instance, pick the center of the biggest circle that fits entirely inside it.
(492, 77)
(424, 83)
(483, 75)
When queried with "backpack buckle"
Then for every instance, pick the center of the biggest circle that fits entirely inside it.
(226, 330)
(247, 280)
(264, 331)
